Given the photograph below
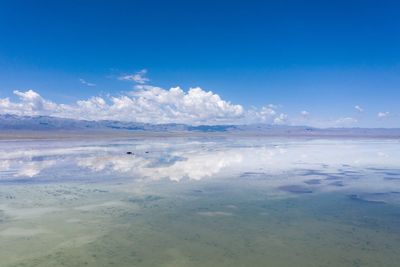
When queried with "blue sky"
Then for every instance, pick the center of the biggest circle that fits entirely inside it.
(316, 56)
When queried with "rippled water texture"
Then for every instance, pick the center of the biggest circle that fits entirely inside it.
(200, 202)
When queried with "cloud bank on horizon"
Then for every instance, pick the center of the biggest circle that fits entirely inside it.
(147, 104)
(155, 105)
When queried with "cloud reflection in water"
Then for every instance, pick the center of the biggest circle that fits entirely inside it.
(313, 164)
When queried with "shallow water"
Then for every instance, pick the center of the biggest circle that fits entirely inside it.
(200, 202)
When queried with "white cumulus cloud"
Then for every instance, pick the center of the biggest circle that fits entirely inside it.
(147, 104)
(30, 103)
(280, 119)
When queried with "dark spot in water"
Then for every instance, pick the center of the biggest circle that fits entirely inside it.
(149, 198)
(130, 153)
(375, 169)
(253, 175)
(365, 199)
(38, 158)
(392, 173)
(100, 191)
(337, 183)
(332, 177)
(197, 191)
(295, 189)
(392, 178)
(313, 173)
(347, 172)
(376, 198)
(313, 181)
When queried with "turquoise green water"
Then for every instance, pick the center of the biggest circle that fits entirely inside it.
(200, 203)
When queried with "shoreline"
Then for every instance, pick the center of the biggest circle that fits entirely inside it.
(16, 135)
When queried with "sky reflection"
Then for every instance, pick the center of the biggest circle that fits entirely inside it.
(295, 167)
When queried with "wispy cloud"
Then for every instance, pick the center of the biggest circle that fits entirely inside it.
(359, 109)
(345, 122)
(138, 77)
(304, 113)
(84, 82)
(383, 114)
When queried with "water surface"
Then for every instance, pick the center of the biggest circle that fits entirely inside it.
(200, 202)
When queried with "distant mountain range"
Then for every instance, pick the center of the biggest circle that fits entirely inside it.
(48, 123)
